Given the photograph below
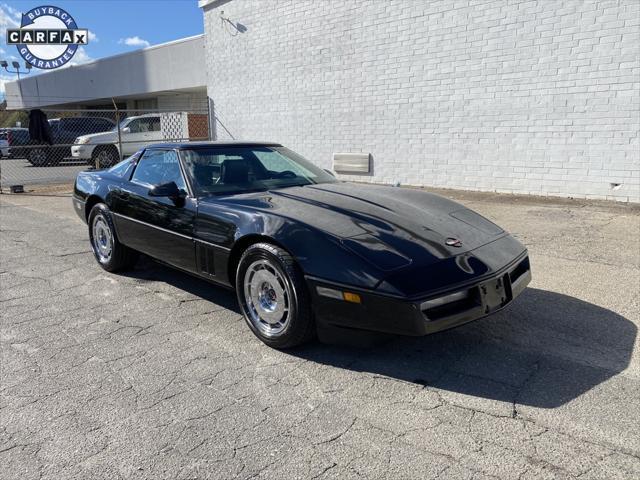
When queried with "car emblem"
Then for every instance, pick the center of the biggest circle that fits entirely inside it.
(453, 242)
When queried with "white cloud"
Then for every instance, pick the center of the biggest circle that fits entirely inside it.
(3, 80)
(16, 15)
(93, 37)
(80, 57)
(134, 42)
(9, 18)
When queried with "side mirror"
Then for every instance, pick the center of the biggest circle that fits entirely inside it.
(125, 130)
(169, 190)
(329, 172)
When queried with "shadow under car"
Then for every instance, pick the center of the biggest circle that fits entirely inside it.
(544, 350)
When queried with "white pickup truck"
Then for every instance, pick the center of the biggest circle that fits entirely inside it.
(135, 133)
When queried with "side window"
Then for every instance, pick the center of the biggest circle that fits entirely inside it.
(134, 126)
(154, 124)
(104, 125)
(120, 169)
(91, 125)
(69, 124)
(143, 125)
(149, 124)
(157, 167)
(80, 125)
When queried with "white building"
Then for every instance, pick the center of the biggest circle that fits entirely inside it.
(537, 97)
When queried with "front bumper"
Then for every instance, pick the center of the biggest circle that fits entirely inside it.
(82, 151)
(388, 314)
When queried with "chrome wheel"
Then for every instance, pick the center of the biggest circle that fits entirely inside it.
(267, 297)
(102, 239)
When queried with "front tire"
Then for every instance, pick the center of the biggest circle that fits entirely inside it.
(104, 157)
(109, 252)
(273, 297)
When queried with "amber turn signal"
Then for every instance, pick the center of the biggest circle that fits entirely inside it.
(351, 297)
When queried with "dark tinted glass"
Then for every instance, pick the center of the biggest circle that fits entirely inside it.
(103, 125)
(74, 124)
(226, 170)
(120, 169)
(157, 167)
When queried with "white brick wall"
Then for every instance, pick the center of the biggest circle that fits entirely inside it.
(539, 97)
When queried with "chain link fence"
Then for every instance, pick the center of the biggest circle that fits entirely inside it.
(76, 140)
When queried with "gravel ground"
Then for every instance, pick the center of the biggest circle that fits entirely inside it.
(154, 374)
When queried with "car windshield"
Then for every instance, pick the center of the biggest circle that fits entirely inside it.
(228, 170)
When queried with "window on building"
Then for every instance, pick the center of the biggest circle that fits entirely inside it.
(146, 104)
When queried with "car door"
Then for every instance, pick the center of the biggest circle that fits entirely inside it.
(132, 136)
(139, 133)
(161, 227)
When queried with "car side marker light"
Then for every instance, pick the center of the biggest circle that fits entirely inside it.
(339, 295)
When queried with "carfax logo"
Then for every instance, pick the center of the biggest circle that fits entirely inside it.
(48, 37)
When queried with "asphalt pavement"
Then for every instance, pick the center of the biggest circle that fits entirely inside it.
(18, 171)
(153, 374)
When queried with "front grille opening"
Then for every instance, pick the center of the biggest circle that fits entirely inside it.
(520, 270)
(453, 308)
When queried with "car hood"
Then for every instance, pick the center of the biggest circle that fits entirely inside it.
(100, 137)
(387, 226)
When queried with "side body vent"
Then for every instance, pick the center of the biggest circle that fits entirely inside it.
(206, 260)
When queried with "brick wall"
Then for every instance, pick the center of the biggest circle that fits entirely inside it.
(539, 97)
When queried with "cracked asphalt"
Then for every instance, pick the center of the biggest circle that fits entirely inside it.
(154, 375)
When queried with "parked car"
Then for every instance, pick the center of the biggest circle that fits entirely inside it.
(303, 250)
(135, 133)
(64, 132)
(16, 138)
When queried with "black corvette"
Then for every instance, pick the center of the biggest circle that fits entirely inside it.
(303, 250)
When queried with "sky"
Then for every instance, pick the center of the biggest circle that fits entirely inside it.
(115, 26)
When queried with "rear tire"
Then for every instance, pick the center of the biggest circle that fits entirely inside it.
(273, 297)
(38, 157)
(112, 255)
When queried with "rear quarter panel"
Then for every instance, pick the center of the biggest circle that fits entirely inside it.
(90, 187)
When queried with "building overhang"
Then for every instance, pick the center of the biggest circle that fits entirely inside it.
(209, 4)
(172, 66)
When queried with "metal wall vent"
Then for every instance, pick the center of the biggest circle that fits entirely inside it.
(357, 163)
